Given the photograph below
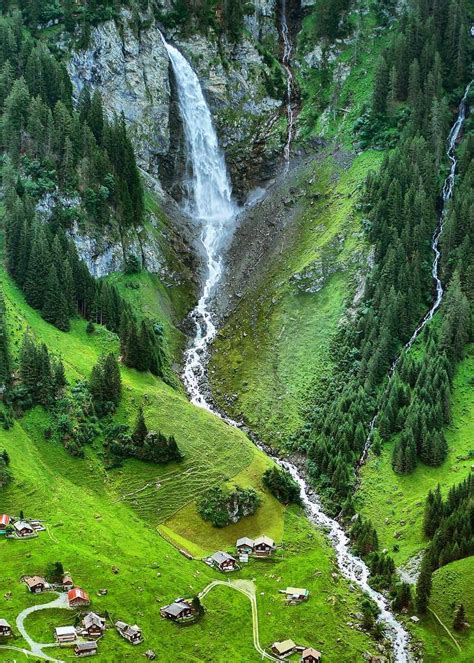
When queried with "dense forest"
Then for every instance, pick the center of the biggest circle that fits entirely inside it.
(419, 82)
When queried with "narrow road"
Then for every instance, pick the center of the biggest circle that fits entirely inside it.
(247, 588)
(36, 647)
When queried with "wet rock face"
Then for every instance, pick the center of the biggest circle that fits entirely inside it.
(132, 72)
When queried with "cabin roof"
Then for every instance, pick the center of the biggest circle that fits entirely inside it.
(176, 608)
(219, 557)
(296, 591)
(85, 646)
(93, 619)
(284, 646)
(77, 593)
(65, 630)
(21, 524)
(266, 540)
(245, 541)
(3, 622)
(310, 651)
(4, 519)
(35, 580)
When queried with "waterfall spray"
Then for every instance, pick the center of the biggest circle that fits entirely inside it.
(286, 62)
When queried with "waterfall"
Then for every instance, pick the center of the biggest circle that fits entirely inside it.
(210, 203)
(286, 62)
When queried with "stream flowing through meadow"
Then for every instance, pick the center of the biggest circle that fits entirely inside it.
(209, 201)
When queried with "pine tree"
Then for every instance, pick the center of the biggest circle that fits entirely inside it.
(423, 585)
(433, 512)
(459, 622)
(381, 87)
(140, 431)
(55, 309)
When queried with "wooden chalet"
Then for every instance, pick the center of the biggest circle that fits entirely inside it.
(150, 655)
(179, 610)
(223, 561)
(295, 594)
(67, 582)
(4, 522)
(244, 545)
(23, 529)
(310, 655)
(77, 597)
(131, 633)
(36, 584)
(65, 634)
(93, 626)
(86, 648)
(263, 546)
(284, 648)
(5, 629)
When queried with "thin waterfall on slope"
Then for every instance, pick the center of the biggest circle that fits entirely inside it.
(210, 202)
(447, 193)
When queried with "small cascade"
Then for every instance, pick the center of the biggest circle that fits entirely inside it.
(447, 193)
(286, 62)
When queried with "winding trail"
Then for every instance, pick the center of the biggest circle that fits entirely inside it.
(446, 629)
(36, 648)
(247, 588)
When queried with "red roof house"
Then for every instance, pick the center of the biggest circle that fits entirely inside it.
(4, 520)
(77, 597)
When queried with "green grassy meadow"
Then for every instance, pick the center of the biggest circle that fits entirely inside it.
(274, 349)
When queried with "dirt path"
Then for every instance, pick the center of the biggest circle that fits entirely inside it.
(445, 628)
(36, 647)
(247, 588)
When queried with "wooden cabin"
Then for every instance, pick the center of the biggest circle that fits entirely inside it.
(5, 629)
(93, 626)
(223, 561)
(284, 648)
(178, 610)
(65, 634)
(244, 545)
(77, 597)
(67, 582)
(295, 594)
(310, 655)
(86, 648)
(263, 546)
(23, 530)
(36, 584)
(131, 633)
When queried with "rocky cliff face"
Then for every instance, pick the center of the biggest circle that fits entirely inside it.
(241, 82)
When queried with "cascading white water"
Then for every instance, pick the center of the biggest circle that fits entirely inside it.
(210, 202)
(286, 62)
(447, 193)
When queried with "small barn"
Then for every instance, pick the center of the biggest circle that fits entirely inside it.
(23, 530)
(284, 648)
(244, 545)
(263, 546)
(36, 584)
(65, 634)
(131, 633)
(295, 595)
(67, 582)
(5, 629)
(93, 626)
(310, 655)
(178, 610)
(223, 561)
(86, 648)
(77, 597)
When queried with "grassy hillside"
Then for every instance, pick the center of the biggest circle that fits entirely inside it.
(98, 519)
(275, 347)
